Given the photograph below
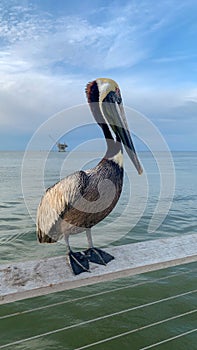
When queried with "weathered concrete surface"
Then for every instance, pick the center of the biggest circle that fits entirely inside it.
(33, 278)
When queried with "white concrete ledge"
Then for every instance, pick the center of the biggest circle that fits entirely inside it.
(28, 279)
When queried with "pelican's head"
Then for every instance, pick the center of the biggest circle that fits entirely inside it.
(108, 109)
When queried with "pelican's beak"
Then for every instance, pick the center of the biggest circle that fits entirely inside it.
(115, 115)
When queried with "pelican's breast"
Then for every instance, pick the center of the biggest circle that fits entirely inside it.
(103, 191)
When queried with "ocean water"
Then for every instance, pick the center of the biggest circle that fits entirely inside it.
(135, 312)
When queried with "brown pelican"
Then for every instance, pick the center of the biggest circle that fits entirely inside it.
(81, 200)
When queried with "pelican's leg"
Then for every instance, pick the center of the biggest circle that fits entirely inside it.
(96, 255)
(78, 261)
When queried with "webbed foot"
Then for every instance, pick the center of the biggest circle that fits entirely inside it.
(79, 262)
(98, 256)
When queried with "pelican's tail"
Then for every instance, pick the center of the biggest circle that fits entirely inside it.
(42, 238)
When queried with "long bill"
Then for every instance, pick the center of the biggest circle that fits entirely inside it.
(115, 115)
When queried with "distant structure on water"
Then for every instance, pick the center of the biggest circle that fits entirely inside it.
(61, 146)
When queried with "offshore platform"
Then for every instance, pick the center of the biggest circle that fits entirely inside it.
(61, 146)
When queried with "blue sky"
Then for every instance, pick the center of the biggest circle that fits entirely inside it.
(50, 49)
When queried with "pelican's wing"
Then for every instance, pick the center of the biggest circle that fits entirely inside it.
(58, 200)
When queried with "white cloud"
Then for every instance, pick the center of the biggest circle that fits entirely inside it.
(123, 39)
(192, 95)
(41, 39)
(29, 99)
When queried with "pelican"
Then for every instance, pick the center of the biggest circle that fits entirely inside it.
(81, 200)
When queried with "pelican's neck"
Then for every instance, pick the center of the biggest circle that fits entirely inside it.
(118, 159)
(114, 149)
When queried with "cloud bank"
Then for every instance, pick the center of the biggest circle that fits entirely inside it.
(47, 57)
